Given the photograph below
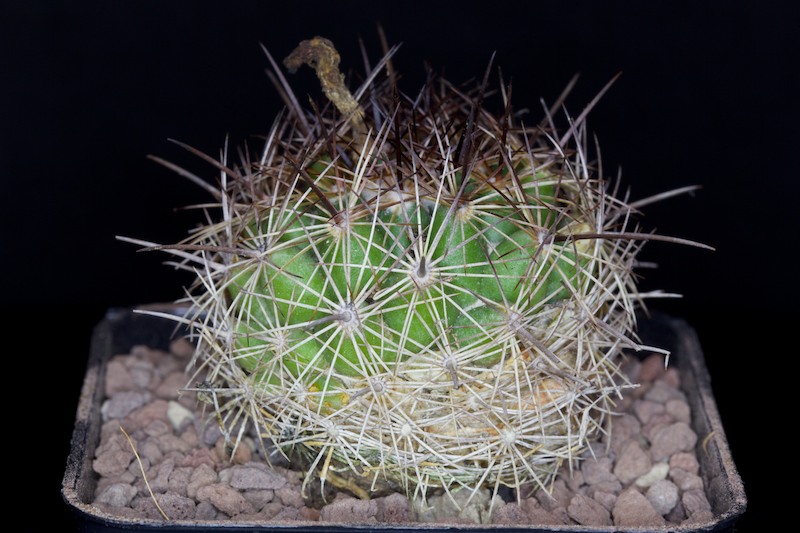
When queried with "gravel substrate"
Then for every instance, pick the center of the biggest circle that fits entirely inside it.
(645, 475)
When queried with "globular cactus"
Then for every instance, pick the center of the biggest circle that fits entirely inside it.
(410, 291)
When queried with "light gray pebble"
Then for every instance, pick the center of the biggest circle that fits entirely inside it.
(663, 496)
(160, 481)
(179, 416)
(674, 438)
(141, 372)
(656, 473)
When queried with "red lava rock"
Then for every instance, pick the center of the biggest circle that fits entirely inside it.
(394, 508)
(685, 481)
(677, 437)
(606, 499)
(663, 496)
(560, 496)
(540, 515)
(633, 462)
(123, 403)
(662, 392)
(258, 498)
(200, 456)
(672, 377)
(241, 455)
(694, 502)
(509, 514)
(684, 461)
(633, 510)
(290, 496)
(117, 495)
(225, 498)
(645, 409)
(179, 479)
(205, 511)
(255, 476)
(350, 511)
(587, 511)
(118, 379)
(652, 367)
(201, 476)
(169, 388)
(622, 429)
(140, 418)
(181, 348)
(177, 507)
(597, 471)
(679, 410)
(113, 461)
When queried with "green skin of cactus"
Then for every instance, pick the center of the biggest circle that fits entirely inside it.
(476, 265)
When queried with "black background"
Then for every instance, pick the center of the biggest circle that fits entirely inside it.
(708, 95)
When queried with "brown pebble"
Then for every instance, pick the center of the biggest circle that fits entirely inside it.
(560, 496)
(633, 510)
(633, 462)
(290, 496)
(662, 392)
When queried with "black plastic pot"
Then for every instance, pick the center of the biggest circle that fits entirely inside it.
(122, 329)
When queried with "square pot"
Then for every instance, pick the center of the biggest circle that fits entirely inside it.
(123, 329)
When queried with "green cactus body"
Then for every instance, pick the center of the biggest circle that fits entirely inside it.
(412, 312)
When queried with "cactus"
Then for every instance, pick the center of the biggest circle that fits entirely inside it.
(410, 291)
